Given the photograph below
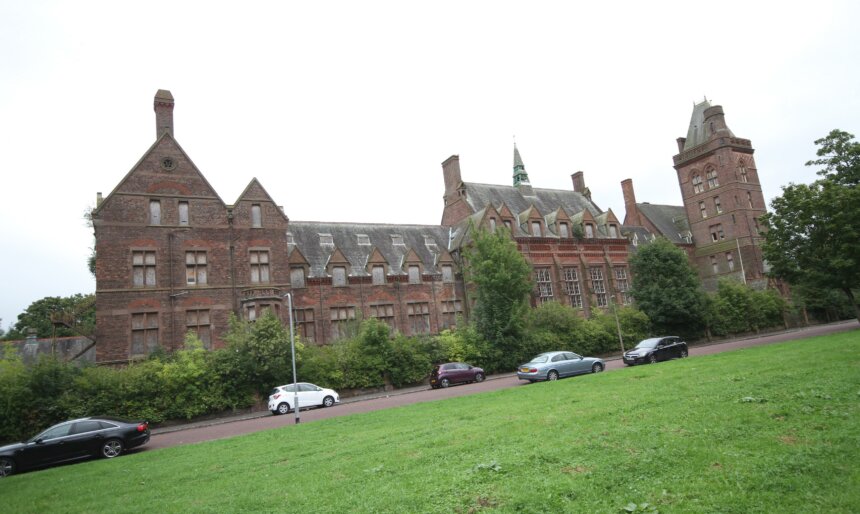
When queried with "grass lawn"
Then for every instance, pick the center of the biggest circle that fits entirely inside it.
(767, 429)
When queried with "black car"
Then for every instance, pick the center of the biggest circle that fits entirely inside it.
(449, 373)
(656, 349)
(73, 440)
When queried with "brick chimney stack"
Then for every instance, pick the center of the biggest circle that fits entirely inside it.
(163, 112)
(578, 182)
(631, 215)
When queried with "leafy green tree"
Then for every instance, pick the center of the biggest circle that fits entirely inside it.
(502, 280)
(813, 235)
(634, 324)
(258, 355)
(79, 309)
(667, 289)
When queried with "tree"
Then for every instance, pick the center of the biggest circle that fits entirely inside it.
(502, 280)
(78, 310)
(258, 354)
(667, 289)
(813, 231)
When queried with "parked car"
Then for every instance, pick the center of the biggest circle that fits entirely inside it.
(282, 398)
(656, 349)
(449, 373)
(555, 365)
(73, 440)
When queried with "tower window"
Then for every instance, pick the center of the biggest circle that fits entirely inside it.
(703, 210)
(713, 181)
(697, 184)
(717, 206)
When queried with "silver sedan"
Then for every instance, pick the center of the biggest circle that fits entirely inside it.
(555, 365)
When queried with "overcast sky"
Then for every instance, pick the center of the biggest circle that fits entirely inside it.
(345, 110)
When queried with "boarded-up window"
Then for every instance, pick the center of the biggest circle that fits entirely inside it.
(451, 309)
(447, 273)
(536, 228)
(305, 326)
(195, 268)
(259, 266)
(297, 277)
(419, 317)
(155, 212)
(563, 230)
(183, 213)
(143, 268)
(613, 231)
(144, 333)
(414, 274)
(383, 313)
(589, 230)
(338, 276)
(340, 321)
(378, 275)
(197, 321)
(256, 216)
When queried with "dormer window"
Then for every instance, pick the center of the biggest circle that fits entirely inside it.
(492, 224)
(378, 274)
(297, 277)
(338, 276)
(563, 230)
(256, 216)
(429, 242)
(589, 231)
(414, 274)
(326, 239)
(508, 224)
(397, 239)
(536, 232)
(290, 239)
(613, 231)
(363, 240)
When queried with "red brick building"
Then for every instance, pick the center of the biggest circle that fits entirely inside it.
(718, 224)
(172, 256)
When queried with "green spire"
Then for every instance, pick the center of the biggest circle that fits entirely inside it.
(520, 175)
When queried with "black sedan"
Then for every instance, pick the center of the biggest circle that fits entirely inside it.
(73, 440)
(656, 349)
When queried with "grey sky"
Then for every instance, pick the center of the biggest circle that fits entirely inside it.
(345, 110)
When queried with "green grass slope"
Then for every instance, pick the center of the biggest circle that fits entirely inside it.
(766, 429)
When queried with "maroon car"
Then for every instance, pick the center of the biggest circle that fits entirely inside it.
(449, 373)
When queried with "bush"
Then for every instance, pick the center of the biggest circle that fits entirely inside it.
(410, 361)
(322, 365)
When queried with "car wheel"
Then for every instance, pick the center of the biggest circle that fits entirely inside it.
(283, 408)
(597, 368)
(652, 358)
(328, 401)
(684, 353)
(552, 375)
(7, 466)
(444, 382)
(111, 448)
(479, 377)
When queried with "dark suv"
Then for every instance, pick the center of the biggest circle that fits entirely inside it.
(449, 373)
(656, 349)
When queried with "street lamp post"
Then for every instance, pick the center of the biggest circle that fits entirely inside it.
(617, 323)
(289, 298)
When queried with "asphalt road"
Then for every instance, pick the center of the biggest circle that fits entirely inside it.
(229, 427)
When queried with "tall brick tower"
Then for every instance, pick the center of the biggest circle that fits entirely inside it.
(722, 198)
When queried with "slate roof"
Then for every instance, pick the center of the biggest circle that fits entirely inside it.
(344, 236)
(670, 220)
(696, 134)
(480, 196)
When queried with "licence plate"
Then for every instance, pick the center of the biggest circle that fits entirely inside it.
(524, 370)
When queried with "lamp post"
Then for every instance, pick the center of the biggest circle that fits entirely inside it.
(617, 323)
(289, 298)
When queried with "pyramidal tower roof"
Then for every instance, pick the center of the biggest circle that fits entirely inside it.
(698, 133)
(520, 175)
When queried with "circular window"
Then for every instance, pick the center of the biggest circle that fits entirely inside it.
(168, 163)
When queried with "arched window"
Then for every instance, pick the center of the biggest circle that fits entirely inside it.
(697, 184)
(712, 179)
(742, 171)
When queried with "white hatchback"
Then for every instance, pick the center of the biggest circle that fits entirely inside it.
(282, 398)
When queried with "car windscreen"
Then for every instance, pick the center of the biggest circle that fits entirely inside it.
(648, 343)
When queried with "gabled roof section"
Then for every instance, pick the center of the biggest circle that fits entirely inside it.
(165, 143)
(480, 196)
(296, 257)
(255, 192)
(557, 215)
(381, 248)
(670, 220)
(529, 214)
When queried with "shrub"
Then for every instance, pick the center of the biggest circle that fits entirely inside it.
(410, 361)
